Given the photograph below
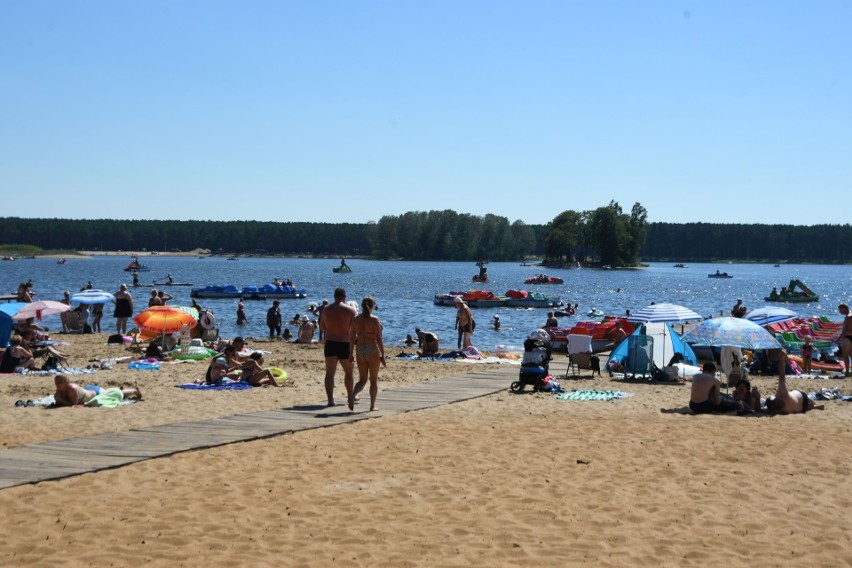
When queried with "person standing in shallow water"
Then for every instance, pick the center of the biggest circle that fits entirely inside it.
(365, 341)
(464, 323)
(123, 309)
(335, 323)
(273, 319)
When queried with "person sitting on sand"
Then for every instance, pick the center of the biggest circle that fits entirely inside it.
(220, 372)
(706, 394)
(747, 397)
(71, 394)
(28, 341)
(785, 401)
(17, 356)
(287, 335)
(428, 343)
(306, 332)
(153, 351)
(254, 374)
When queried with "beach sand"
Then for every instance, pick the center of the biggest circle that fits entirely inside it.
(503, 480)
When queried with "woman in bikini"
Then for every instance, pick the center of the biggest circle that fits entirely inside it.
(255, 375)
(365, 343)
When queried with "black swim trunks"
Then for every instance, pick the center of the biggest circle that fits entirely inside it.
(705, 407)
(804, 401)
(339, 349)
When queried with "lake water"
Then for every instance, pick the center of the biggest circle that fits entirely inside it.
(405, 290)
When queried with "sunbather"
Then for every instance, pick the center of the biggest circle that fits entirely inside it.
(17, 356)
(785, 401)
(71, 394)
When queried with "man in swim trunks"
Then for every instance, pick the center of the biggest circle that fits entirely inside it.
(334, 323)
(71, 394)
(845, 340)
(787, 402)
(464, 322)
(706, 395)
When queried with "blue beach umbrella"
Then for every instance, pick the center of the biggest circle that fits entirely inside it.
(92, 296)
(731, 332)
(770, 314)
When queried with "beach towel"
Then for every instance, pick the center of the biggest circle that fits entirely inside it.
(109, 398)
(593, 395)
(63, 370)
(238, 385)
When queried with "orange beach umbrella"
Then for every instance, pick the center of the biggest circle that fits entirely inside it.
(163, 319)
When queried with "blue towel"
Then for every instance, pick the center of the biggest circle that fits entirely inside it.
(239, 385)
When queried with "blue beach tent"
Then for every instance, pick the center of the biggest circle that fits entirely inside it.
(651, 342)
(7, 310)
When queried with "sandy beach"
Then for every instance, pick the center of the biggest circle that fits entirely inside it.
(503, 480)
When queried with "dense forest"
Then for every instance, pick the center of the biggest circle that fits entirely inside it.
(447, 235)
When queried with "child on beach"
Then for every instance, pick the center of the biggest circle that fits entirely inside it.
(748, 398)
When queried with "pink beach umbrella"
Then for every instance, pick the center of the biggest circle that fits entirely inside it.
(40, 309)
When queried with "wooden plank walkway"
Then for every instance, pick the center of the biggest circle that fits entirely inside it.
(65, 458)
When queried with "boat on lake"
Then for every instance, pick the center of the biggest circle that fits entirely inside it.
(524, 299)
(543, 279)
(681, 265)
(136, 266)
(265, 292)
(719, 275)
(795, 292)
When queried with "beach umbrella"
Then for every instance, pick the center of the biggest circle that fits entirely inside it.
(770, 314)
(664, 313)
(40, 309)
(163, 319)
(733, 332)
(92, 296)
(188, 309)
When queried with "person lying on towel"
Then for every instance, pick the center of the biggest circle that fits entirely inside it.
(71, 394)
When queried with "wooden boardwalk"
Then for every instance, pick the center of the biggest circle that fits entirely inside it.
(65, 458)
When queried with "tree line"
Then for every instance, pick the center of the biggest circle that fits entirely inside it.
(606, 235)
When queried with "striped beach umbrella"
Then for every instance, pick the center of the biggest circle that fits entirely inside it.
(664, 313)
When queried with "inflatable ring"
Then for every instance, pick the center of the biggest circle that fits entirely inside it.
(196, 354)
(278, 374)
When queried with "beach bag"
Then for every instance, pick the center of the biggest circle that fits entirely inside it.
(115, 338)
(87, 328)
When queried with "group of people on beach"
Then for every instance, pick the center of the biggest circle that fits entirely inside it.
(706, 394)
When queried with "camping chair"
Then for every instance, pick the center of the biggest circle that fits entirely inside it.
(141, 338)
(580, 355)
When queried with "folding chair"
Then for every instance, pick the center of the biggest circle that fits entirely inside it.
(580, 355)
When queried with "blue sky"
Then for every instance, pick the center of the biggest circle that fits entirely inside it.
(342, 111)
